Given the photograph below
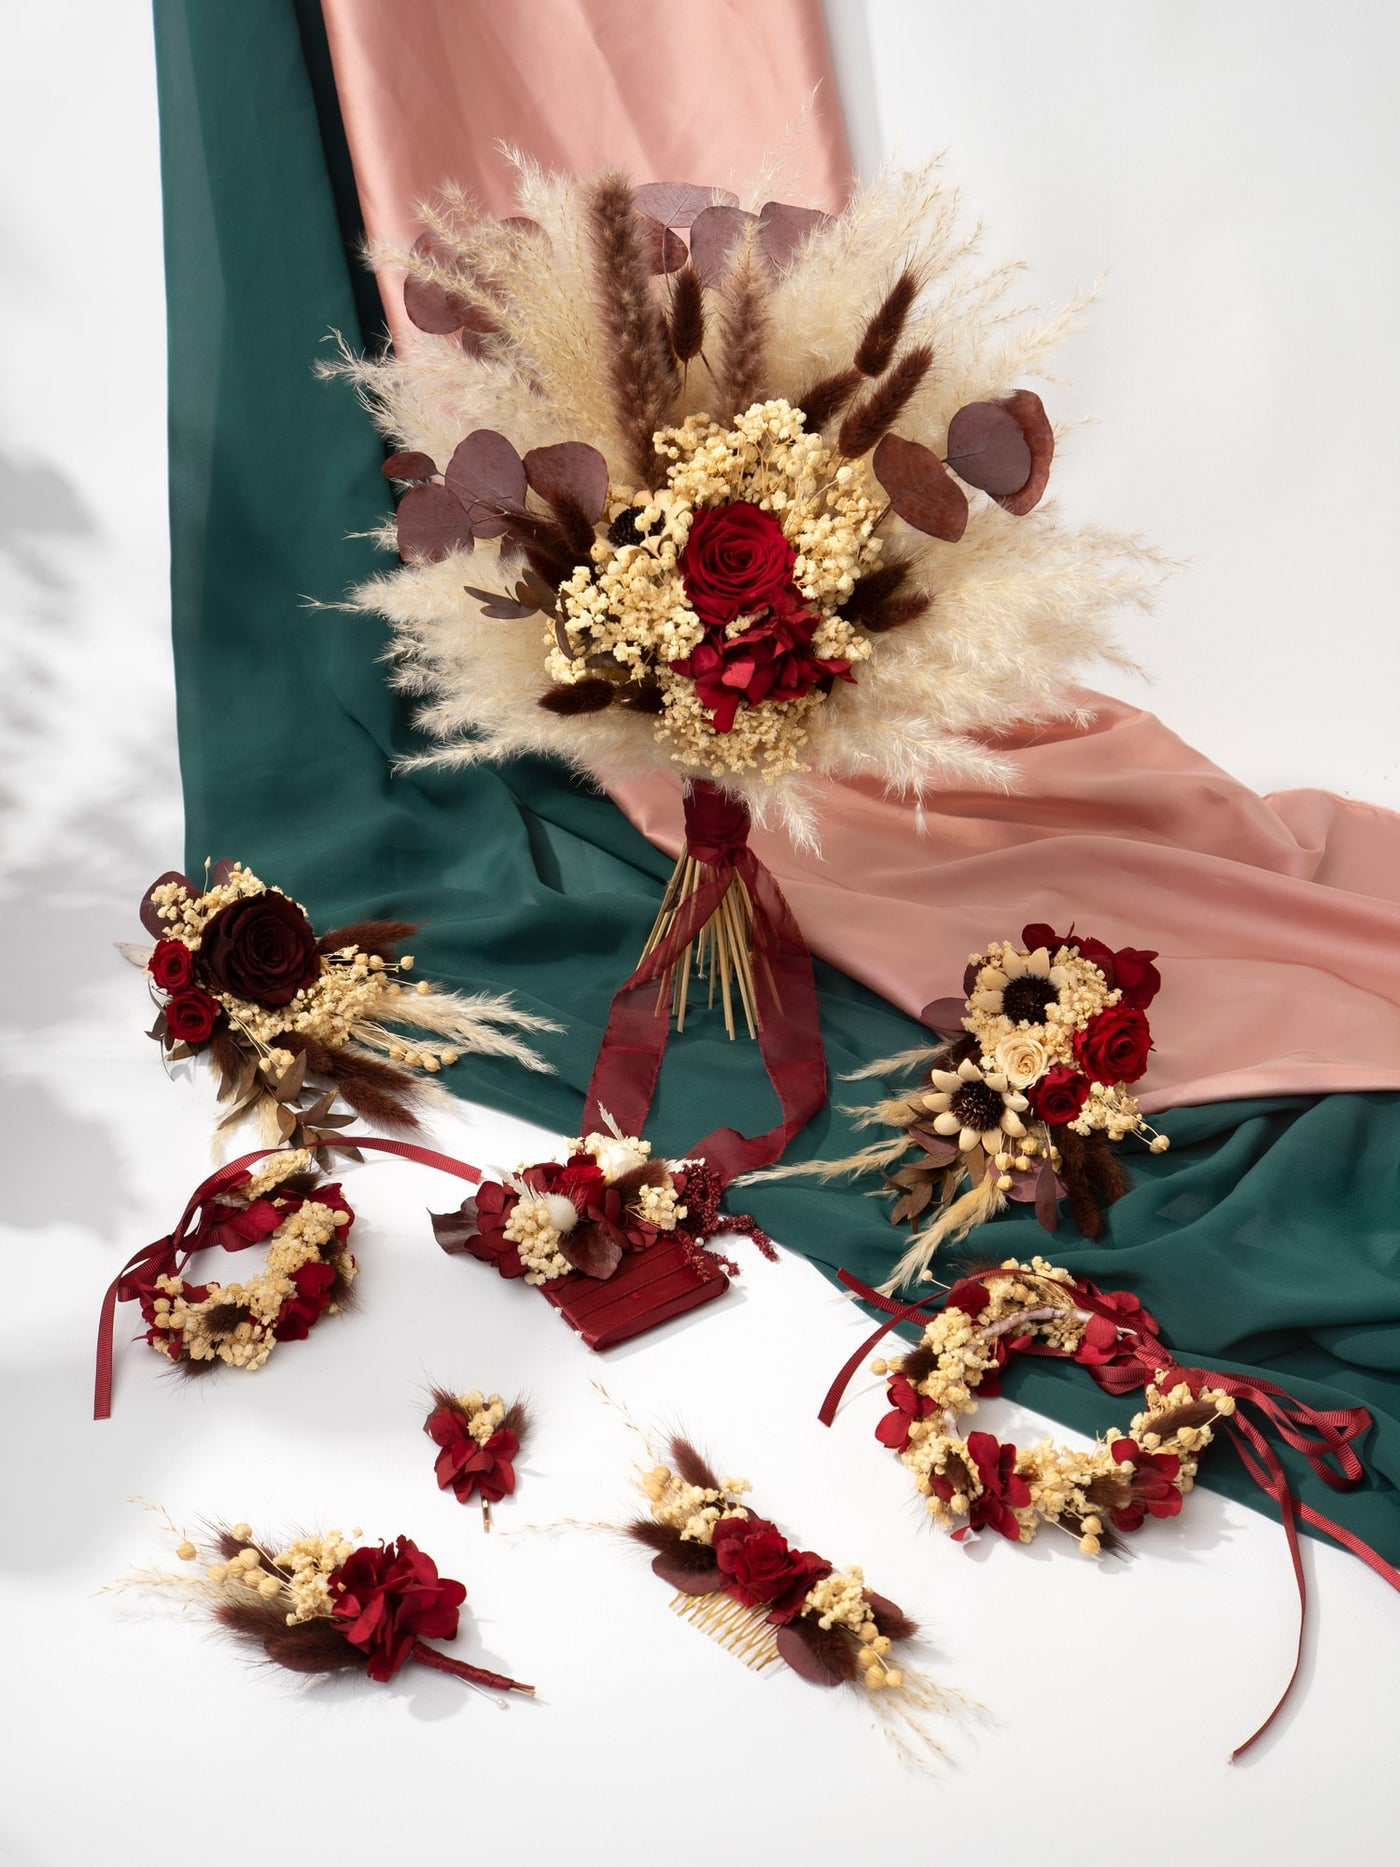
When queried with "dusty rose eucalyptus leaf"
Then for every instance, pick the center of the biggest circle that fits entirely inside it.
(687, 1581)
(408, 466)
(1028, 409)
(713, 236)
(1047, 1196)
(667, 250)
(221, 872)
(987, 448)
(570, 472)
(920, 488)
(804, 1660)
(590, 1250)
(487, 475)
(676, 204)
(454, 1230)
(782, 229)
(430, 307)
(432, 522)
(945, 1015)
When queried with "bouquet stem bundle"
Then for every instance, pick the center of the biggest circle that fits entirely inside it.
(721, 953)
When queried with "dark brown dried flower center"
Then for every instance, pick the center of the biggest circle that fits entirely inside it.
(624, 529)
(1026, 998)
(977, 1107)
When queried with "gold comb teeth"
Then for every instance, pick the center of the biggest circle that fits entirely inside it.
(739, 1630)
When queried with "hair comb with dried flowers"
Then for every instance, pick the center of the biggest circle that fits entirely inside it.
(739, 496)
(1021, 1100)
(478, 1437)
(242, 977)
(322, 1604)
(738, 1578)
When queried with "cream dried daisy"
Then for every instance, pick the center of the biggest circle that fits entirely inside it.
(979, 1107)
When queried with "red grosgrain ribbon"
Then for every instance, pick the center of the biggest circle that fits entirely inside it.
(785, 993)
(1323, 1435)
(168, 1256)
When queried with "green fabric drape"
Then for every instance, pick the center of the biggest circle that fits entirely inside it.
(1265, 1241)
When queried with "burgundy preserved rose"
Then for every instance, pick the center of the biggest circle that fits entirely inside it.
(387, 1598)
(1113, 1046)
(260, 948)
(1129, 970)
(1058, 1096)
(581, 1180)
(171, 965)
(190, 1016)
(762, 1569)
(735, 560)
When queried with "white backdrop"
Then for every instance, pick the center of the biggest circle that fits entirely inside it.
(1241, 183)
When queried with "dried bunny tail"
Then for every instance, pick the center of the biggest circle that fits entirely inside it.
(744, 324)
(685, 320)
(871, 419)
(878, 1154)
(972, 1208)
(641, 372)
(876, 349)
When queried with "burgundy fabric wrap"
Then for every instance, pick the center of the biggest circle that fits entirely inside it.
(648, 1287)
(168, 1256)
(423, 1655)
(1323, 1436)
(785, 995)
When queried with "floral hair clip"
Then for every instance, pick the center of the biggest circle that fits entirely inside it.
(1098, 1495)
(478, 1437)
(742, 497)
(305, 1223)
(615, 1240)
(1023, 1098)
(322, 1604)
(738, 1578)
(239, 974)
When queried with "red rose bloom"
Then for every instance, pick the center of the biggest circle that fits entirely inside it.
(389, 1597)
(464, 1465)
(1155, 1493)
(171, 965)
(1058, 1096)
(736, 560)
(762, 1569)
(260, 948)
(190, 1016)
(771, 660)
(581, 1180)
(1129, 970)
(1113, 1046)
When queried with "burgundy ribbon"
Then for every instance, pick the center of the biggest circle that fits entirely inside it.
(1323, 1435)
(168, 1256)
(424, 1655)
(789, 1034)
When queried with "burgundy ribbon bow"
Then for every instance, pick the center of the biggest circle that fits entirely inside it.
(789, 1033)
(1323, 1436)
(168, 1256)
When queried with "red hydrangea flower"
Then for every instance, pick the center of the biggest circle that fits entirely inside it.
(1113, 1046)
(1155, 1493)
(190, 1016)
(464, 1465)
(1102, 1345)
(762, 1569)
(313, 1286)
(735, 561)
(772, 659)
(909, 1405)
(492, 1206)
(171, 965)
(1003, 1491)
(388, 1597)
(1058, 1096)
(1129, 970)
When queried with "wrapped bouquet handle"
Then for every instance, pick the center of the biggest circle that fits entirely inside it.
(724, 915)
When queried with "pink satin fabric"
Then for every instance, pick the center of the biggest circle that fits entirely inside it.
(704, 93)
(1278, 918)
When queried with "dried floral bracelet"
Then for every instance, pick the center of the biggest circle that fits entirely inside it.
(322, 1604)
(239, 974)
(478, 1437)
(972, 1480)
(738, 1578)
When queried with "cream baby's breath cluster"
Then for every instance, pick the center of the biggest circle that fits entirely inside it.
(627, 613)
(969, 1481)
